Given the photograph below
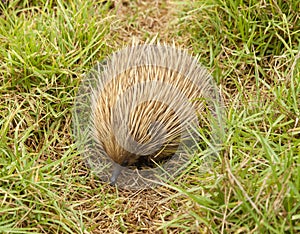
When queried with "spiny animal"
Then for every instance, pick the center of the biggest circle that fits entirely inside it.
(146, 104)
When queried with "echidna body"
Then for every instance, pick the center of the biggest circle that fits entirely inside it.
(146, 103)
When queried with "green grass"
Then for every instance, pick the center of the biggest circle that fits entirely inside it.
(44, 50)
(253, 51)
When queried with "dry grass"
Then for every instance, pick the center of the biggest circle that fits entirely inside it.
(145, 20)
(45, 187)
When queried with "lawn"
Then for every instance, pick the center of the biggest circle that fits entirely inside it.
(252, 49)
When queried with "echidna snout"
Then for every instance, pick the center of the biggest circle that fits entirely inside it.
(123, 161)
(117, 168)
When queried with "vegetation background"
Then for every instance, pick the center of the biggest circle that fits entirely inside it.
(252, 48)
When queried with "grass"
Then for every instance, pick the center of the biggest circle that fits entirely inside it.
(252, 48)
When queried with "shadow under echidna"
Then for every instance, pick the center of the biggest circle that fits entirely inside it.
(136, 115)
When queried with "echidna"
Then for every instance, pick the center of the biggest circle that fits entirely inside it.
(145, 102)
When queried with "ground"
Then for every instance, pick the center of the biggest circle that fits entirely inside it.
(252, 50)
